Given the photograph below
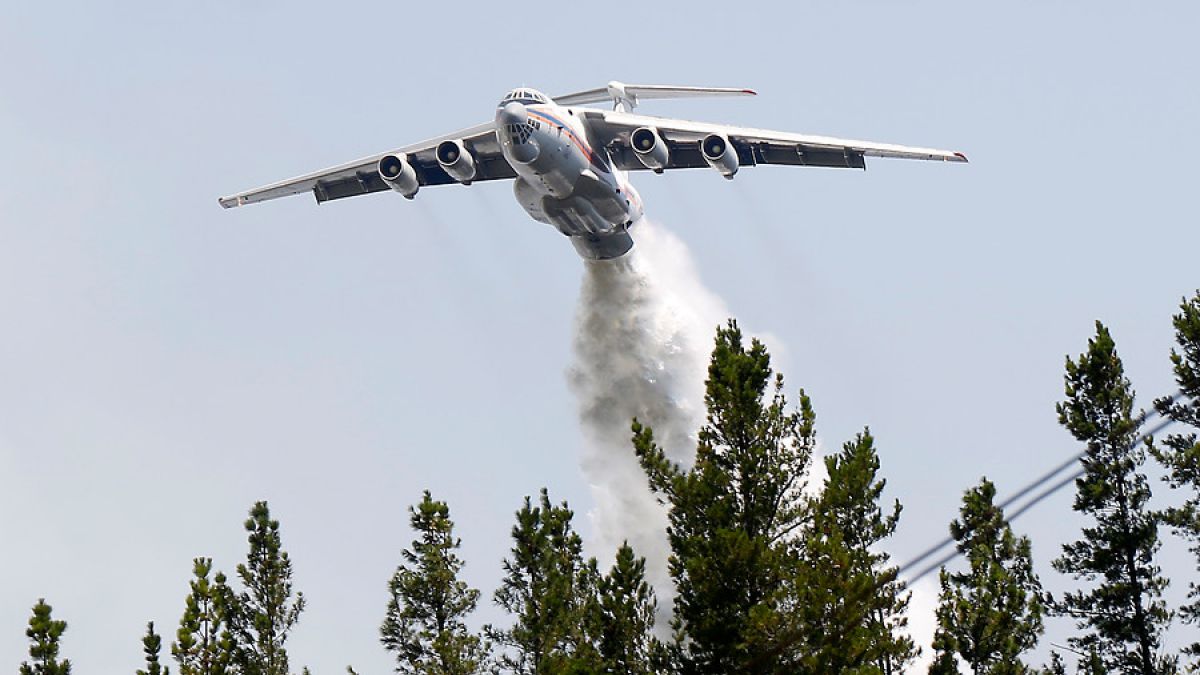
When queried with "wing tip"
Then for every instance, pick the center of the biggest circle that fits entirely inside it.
(229, 202)
(961, 157)
(750, 92)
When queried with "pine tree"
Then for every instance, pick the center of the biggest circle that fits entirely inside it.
(264, 613)
(152, 645)
(424, 623)
(549, 590)
(44, 634)
(1181, 456)
(734, 513)
(850, 604)
(992, 613)
(203, 644)
(1123, 612)
(626, 606)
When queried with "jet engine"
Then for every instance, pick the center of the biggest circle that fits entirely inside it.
(399, 174)
(650, 148)
(456, 160)
(720, 154)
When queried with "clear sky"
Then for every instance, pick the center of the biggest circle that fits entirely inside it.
(165, 363)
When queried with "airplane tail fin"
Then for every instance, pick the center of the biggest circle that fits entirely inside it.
(626, 97)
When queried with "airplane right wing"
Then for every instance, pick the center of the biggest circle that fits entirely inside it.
(361, 176)
(614, 130)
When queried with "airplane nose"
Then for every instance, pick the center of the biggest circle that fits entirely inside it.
(512, 113)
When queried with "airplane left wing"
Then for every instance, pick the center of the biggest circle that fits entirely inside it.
(753, 146)
(361, 176)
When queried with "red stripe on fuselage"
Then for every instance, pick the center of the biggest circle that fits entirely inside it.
(579, 143)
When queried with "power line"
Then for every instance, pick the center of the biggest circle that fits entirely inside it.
(1043, 479)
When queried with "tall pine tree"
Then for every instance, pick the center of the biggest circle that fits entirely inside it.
(203, 644)
(1182, 453)
(424, 624)
(849, 604)
(550, 591)
(734, 513)
(151, 646)
(625, 622)
(44, 635)
(1122, 612)
(992, 613)
(265, 611)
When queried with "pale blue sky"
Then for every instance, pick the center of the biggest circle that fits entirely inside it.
(165, 363)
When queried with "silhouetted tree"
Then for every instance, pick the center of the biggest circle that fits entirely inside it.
(992, 613)
(1181, 455)
(868, 630)
(203, 644)
(263, 614)
(625, 605)
(1123, 613)
(151, 646)
(424, 624)
(44, 635)
(734, 513)
(549, 590)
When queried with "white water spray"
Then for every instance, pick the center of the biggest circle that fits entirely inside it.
(644, 332)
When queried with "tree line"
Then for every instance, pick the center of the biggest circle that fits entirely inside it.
(769, 577)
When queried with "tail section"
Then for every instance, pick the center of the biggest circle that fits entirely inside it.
(625, 97)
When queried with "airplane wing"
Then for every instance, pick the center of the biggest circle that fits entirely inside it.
(361, 176)
(754, 146)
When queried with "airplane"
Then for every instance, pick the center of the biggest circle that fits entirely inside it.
(569, 163)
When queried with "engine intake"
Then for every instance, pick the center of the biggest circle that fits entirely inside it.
(720, 154)
(454, 157)
(650, 148)
(399, 174)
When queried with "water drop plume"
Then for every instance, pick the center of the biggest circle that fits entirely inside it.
(644, 331)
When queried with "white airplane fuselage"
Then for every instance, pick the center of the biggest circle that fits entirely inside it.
(565, 180)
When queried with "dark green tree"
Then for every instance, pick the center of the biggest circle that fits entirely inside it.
(203, 644)
(1122, 612)
(550, 591)
(992, 613)
(1181, 456)
(625, 607)
(44, 634)
(263, 614)
(849, 604)
(733, 515)
(152, 645)
(424, 624)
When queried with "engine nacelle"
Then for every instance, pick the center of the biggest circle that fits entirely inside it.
(650, 148)
(720, 154)
(399, 175)
(456, 160)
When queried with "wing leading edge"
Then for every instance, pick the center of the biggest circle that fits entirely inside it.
(754, 146)
(361, 176)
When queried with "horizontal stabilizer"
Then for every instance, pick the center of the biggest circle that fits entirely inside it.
(627, 96)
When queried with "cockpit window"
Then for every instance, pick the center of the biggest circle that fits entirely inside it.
(526, 96)
(520, 133)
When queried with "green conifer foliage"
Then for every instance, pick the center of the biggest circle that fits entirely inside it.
(1181, 456)
(992, 613)
(203, 644)
(550, 592)
(44, 634)
(1122, 610)
(151, 646)
(424, 624)
(626, 606)
(850, 603)
(734, 513)
(263, 614)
